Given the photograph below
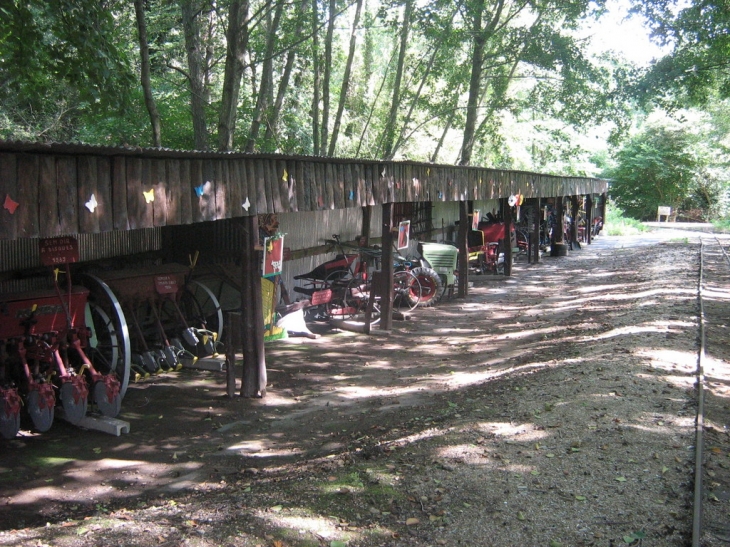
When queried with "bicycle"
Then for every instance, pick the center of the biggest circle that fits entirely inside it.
(341, 288)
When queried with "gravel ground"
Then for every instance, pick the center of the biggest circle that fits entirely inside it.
(553, 408)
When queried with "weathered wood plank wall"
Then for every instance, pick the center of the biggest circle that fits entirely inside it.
(65, 189)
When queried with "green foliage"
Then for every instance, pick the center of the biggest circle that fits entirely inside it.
(59, 57)
(69, 70)
(699, 63)
(617, 224)
(654, 168)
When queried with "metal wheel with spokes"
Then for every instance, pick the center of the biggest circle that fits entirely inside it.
(194, 310)
(109, 345)
(406, 289)
(357, 297)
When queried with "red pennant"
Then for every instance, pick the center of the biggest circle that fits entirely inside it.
(10, 205)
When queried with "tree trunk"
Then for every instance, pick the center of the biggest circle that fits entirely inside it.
(262, 102)
(371, 113)
(144, 51)
(407, 119)
(345, 80)
(196, 73)
(447, 127)
(327, 76)
(271, 127)
(395, 102)
(237, 42)
(316, 83)
(475, 81)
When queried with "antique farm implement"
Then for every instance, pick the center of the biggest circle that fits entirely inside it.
(74, 346)
(172, 319)
(58, 349)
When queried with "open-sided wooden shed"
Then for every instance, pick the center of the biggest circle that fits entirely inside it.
(108, 196)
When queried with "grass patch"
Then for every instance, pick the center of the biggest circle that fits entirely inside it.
(619, 225)
(360, 489)
(48, 461)
(722, 226)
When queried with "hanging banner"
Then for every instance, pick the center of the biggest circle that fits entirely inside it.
(273, 255)
(404, 230)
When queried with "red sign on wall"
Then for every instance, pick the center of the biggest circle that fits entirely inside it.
(58, 250)
(166, 284)
(273, 255)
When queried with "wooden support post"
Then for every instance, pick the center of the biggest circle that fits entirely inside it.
(574, 207)
(589, 218)
(602, 208)
(507, 216)
(367, 214)
(535, 231)
(233, 344)
(386, 265)
(560, 216)
(463, 246)
(252, 313)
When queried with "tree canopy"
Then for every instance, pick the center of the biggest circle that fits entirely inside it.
(670, 164)
(698, 64)
(426, 80)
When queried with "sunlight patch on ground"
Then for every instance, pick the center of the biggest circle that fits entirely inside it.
(96, 488)
(599, 288)
(420, 436)
(522, 432)
(262, 449)
(110, 463)
(716, 368)
(668, 359)
(324, 527)
(630, 330)
(717, 293)
(651, 423)
(643, 295)
(274, 399)
(458, 331)
(527, 333)
(362, 392)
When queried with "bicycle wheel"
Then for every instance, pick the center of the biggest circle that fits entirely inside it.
(357, 297)
(432, 287)
(406, 289)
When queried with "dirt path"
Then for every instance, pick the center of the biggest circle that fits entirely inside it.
(551, 408)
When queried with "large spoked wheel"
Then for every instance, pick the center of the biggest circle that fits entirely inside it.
(207, 307)
(432, 287)
(357, 297)
(406, 290)
(109, 345)
(194, 316)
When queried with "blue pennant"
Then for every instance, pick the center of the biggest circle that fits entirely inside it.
(199, 190)
(352, 195)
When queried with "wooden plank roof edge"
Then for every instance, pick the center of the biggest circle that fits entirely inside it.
(58, 148)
